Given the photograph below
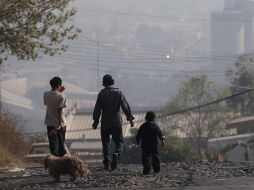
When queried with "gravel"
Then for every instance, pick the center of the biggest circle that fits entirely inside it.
(127, 176)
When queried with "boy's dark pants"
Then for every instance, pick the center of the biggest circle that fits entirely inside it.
(117, 136)
(56, 141)
(150, 157)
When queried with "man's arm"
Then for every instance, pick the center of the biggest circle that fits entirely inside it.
(126, 109)
(97, 112)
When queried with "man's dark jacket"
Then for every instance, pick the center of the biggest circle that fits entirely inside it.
(108, 105)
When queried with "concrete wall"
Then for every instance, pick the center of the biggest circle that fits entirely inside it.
(237, 154)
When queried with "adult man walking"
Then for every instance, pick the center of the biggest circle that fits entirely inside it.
(108, 104)
(55, 119)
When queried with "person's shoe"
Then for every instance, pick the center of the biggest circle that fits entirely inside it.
(146, 171)
(156, 171)
(106, 167)
(115, 158)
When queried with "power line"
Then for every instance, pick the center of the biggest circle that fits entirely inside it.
(122, 73)
(127, 73)
(136, 68)
(150, 54)
(174, 58)
(188, 19)
(126, 67)
(147, 52)
(153, 65)
(111, 58)
(206, 104)
(152, 47)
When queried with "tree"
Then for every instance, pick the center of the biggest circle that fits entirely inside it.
(31, 28)
(241, 75)
(201, 124)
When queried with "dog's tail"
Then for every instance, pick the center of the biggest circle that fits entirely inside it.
(81, 167)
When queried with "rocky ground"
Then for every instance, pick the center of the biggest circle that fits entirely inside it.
(192, 175)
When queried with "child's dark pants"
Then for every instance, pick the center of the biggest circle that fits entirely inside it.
(150, 158)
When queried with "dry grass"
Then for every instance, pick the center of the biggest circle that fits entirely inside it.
(13, 146)
(8, 160)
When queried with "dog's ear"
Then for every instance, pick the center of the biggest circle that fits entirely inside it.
(46, 162)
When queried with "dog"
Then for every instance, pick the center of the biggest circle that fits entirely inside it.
(66, 165)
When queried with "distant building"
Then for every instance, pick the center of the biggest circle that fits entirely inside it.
(241, 129)
(232, 30)
(241, 125)
(236, 154)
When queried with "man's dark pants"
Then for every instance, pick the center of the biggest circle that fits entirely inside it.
(150, 158)
(117, 136)
(56, 141)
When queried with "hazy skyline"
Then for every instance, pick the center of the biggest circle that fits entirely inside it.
(148, 46)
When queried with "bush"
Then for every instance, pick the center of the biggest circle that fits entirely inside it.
(6, 159)
(177, 150)
(13, 146)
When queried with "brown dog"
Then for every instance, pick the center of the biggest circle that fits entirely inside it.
(66, 165)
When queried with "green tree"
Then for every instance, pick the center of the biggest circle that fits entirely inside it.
(242, 75)
(31, 28)
(200, 124)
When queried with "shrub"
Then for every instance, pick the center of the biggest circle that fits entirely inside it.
(177, 150)
(13, 146)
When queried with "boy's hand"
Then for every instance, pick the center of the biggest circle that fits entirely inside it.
(57, 128)
(62, 88)
(163, 143)
(133, 146)
(95, 124)
(132, 123)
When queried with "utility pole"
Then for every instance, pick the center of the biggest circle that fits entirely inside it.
(98, 52)
(1, 106)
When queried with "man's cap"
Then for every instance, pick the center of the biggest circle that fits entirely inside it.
(107, 80)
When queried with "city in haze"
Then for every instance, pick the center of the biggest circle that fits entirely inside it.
(171, 81)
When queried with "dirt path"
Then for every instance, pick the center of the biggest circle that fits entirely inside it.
(175, 176)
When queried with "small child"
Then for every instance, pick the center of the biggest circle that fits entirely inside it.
(148, 134)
